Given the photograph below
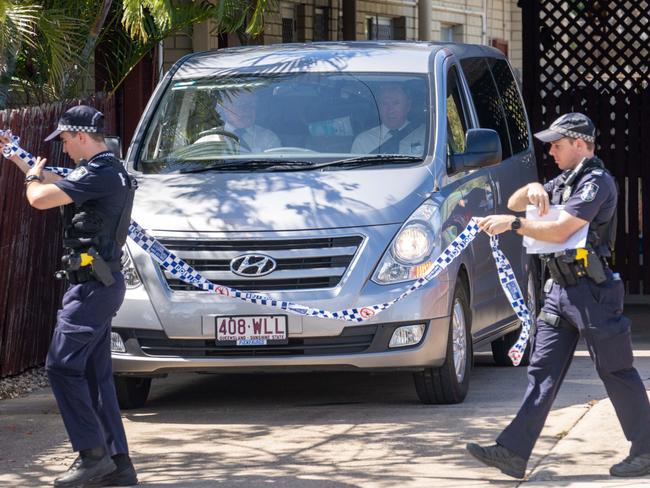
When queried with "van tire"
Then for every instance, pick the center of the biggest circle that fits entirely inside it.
(132, 392)
(501, 346)
(450, 382)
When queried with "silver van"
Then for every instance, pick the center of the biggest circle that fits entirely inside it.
(329, 175)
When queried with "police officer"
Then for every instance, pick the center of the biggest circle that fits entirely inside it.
(96, 199)
(583, 298)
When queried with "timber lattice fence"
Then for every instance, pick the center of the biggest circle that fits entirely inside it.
(594, 57)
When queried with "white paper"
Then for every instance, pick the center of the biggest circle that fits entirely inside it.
(535, 246)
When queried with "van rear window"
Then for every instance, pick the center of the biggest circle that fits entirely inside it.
(487, 100)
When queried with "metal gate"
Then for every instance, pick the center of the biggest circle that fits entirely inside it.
(594, 57)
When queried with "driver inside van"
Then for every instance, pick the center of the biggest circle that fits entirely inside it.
(239, 112)
(396, 134)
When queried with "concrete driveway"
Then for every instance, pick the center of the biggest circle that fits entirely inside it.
(335, 430)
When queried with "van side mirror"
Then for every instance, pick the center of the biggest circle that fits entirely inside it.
(114, 144)
(482, 148)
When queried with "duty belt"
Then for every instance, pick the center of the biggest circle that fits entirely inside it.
(84, 274)
(568, 267)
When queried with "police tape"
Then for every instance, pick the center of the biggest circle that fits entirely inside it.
(181, 270)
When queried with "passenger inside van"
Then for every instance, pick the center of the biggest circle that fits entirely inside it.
(396, 134)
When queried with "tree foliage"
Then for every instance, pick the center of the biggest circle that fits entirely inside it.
(47, 48)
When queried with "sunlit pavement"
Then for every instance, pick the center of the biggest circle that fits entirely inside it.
(336, 430)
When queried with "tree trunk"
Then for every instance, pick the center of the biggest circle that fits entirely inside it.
(5, 78)
(71, 80)
(10, 54)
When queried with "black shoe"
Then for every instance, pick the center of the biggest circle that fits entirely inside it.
(499, 457)
(124, 474)
(632, 466)
(90, 465)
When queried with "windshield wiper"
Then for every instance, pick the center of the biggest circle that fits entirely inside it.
(300, 165)
(249, 164)
(369, 160)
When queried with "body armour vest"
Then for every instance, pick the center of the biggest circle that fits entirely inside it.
(88, 224)
(565, 185)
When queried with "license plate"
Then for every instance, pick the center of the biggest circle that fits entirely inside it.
(252, 330)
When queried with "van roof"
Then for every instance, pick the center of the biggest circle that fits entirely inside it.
(367, 56)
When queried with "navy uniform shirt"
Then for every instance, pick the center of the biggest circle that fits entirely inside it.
(593, 199)
(98, 185)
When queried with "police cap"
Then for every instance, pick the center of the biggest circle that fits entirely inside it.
(575, 125)
(81, 118)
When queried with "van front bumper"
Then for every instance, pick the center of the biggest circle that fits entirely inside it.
(152, 353)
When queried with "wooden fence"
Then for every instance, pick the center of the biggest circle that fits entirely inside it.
(30, 242)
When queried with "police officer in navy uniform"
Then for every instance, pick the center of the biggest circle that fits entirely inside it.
(96, 198)
(583, 298)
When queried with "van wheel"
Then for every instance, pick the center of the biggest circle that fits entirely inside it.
(132, 392)
(450, 382)
(501, 346)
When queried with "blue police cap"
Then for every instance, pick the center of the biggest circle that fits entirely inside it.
(81, 118)
(575, 125)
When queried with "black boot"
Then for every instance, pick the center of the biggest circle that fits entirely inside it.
(632, 466)
(499, 457)
(124, 475)
(90, 465)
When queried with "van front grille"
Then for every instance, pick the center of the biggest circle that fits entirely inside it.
(310, 263)
(352, 340)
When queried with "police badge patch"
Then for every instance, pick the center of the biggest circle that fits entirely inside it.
(589, 192)
(78, 173)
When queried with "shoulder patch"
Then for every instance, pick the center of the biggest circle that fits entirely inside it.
(78, 173)
(589, 192)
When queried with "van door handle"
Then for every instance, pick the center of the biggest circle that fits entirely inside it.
(489, 197)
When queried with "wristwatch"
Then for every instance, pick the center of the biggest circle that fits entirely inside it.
(30, 178)
(516, 224)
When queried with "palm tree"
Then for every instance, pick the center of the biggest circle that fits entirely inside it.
(68, 33)
(141, 24)
(20, 21)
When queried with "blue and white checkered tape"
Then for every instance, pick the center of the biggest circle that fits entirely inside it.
(179, 268)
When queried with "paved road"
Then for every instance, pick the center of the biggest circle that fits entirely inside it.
(328, 430)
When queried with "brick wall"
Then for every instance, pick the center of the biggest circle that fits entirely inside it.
(503, 24)
(288, 9)
(175, 47)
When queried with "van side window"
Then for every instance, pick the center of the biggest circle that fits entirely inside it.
(486, 100)
(512, 104)
(456, 120)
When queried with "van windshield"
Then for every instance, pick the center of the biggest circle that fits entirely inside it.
(302, 118)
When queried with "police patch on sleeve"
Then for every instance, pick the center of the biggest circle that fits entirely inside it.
(589, 192)
(78, 173)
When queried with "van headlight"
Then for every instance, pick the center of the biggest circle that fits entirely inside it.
(413, 243)
(131, 276)
(411, 254)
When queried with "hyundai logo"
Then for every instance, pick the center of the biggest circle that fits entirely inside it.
(251, 265)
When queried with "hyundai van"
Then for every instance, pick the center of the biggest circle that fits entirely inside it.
(329, 175)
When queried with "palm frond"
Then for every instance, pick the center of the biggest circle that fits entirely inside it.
(137, 11)
(62, 37)
(18, 24)
(256, 23)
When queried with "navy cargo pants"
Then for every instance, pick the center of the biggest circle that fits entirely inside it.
(79, 366)
(594, 312)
